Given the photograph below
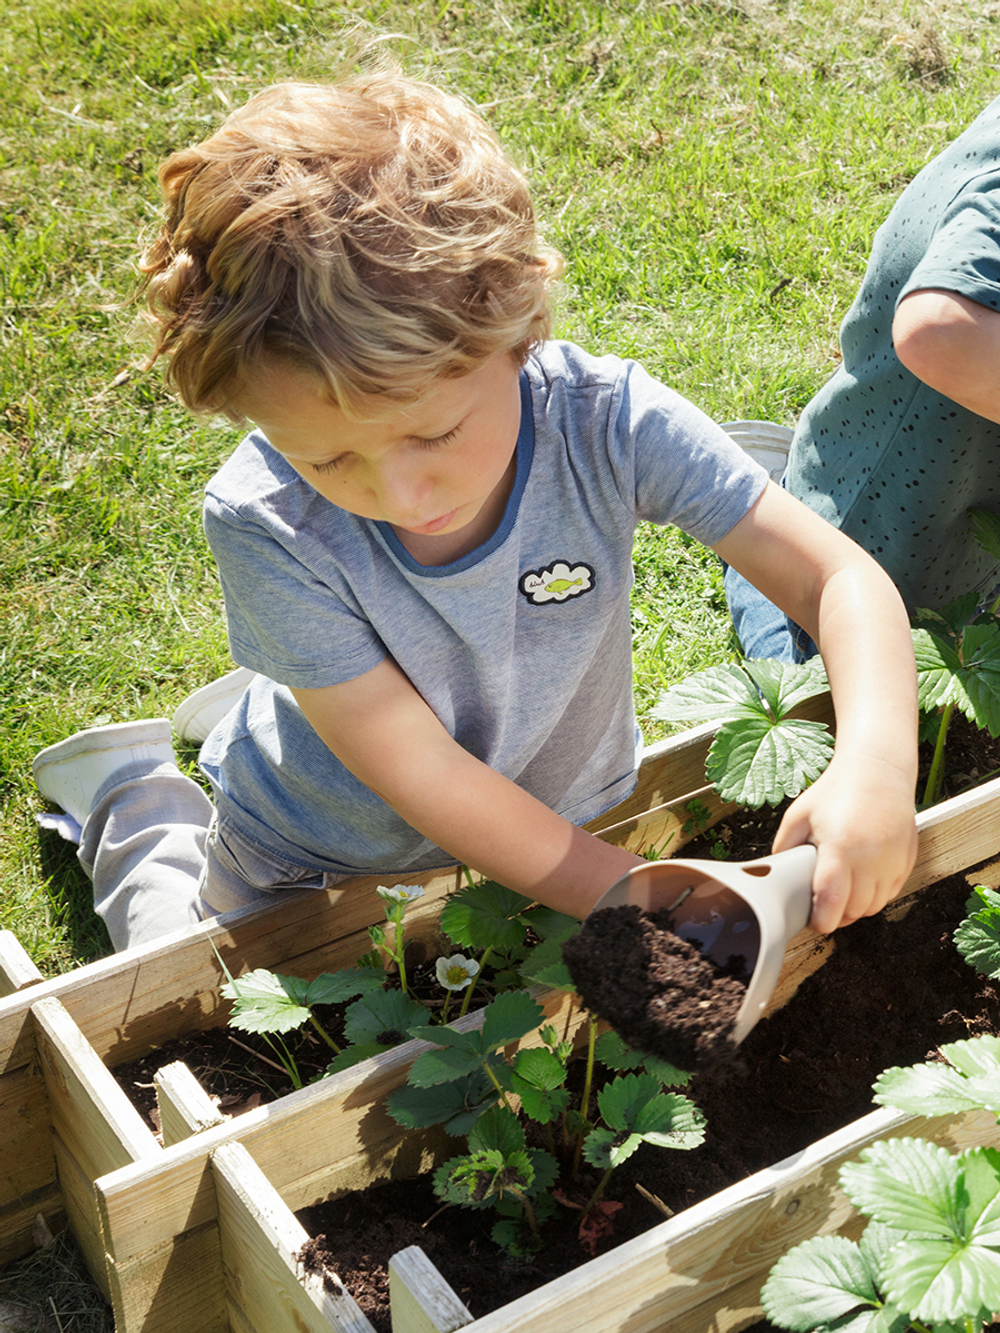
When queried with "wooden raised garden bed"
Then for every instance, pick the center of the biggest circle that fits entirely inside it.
(199, 1233)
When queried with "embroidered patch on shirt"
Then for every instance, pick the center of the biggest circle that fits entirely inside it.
(557, 583)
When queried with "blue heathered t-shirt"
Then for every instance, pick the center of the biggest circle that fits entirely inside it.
(877, 453)
(522, 648)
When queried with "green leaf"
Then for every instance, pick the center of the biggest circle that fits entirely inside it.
(336, 987)
(612, 1051)
(457, 1105)
(709, 696)
(817, 1282)
(508, 1017)
(905, 1183)
(978, 941)
(759, 761)
(380, 1012)
(986, 530)
(967, 676)
(485, 916)
(543, 965)
(443, 1064)
(937, 1280)
(636, 1103)
(548, 924)
(604, 1148)
(537, 1078)
(977, 1057)
(785, 684)
(497, 1128)
(936, 1089)
(265, 1003)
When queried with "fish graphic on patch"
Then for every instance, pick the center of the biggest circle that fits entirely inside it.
(557, 583)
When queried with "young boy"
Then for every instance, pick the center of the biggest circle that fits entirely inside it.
(425, 544)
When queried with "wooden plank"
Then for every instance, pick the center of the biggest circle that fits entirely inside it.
(179, 1287)
(184, 1105)
(97, 1129)
(260, 1240)
(17, 971)
(27, 1161)
(92, 1116)
(77, 1194)
(420, 1299)
(682, 1273)
(128, 1003)
(17, 1220)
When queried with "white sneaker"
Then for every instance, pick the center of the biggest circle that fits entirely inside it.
(71, 771)
(197, 715)
(764, 441)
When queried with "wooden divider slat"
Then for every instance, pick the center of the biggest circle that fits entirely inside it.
(266, 1285)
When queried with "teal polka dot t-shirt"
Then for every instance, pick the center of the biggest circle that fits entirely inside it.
(877, 453)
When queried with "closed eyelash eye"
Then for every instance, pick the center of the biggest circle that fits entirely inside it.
(438, 440)
(330, 466)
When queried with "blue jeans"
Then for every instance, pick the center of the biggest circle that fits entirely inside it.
(762, 629)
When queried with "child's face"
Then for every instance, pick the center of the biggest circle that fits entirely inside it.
(432, 469)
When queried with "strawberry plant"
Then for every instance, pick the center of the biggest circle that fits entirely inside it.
(929, 1258)
(468, 1085)
(760, 754)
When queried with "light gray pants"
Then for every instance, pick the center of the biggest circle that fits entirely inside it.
(160, 862)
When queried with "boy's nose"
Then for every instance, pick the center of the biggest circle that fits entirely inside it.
(403, 492)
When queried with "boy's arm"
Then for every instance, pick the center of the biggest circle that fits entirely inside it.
(860, 812)
(381, 729)
(953, 345)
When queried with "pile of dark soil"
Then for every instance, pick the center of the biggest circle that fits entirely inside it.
(670, 1000)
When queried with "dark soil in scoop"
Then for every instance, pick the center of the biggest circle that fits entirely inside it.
(669, 1000)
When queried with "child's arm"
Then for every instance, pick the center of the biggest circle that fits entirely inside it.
(860, 812)
(381, 729)
(953, 345)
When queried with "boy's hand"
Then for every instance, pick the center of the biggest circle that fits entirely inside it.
(860, 816)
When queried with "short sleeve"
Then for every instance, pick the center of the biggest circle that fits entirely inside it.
(283, 620)
(687, 470)
(963, 255)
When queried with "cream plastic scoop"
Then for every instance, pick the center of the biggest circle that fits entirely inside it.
(748, 908)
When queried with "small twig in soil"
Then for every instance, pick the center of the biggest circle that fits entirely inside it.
(250, 1051)
(655, 1200)
(443, 1209)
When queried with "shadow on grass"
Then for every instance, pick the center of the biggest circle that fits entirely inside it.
(71, 898)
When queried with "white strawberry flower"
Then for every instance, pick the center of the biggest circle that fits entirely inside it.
(456, 972)
(402, 893)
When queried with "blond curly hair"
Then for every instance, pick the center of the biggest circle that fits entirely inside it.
(372, 231)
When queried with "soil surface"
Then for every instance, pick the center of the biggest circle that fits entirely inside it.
(670, 1000)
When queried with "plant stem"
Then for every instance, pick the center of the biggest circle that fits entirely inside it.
(472, 984)
(585, 1097)
(468, 877)
(493, 1079)
(323, 1032)
(595, 1197)
(529, 1212)
(935, 776)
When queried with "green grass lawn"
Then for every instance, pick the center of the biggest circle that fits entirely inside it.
(713, 172)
